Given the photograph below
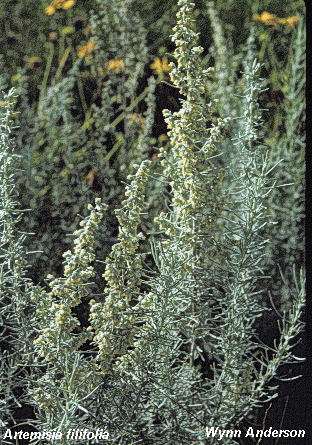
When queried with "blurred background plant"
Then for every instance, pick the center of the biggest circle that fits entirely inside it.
(80, 105)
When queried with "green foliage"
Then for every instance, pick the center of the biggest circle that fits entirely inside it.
(286, 204)
(114, 319)
(16, 328)
(68, 377)
(85, 124)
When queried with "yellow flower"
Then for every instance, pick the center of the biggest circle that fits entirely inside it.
(59, 4)
(53, 36)
(86, 50)
(116, 65)
(267, 18)
(91, 176)
(34, 62)
(68, 4)
(271, 19)
(161, 66)
(49, 10)
(291, 21)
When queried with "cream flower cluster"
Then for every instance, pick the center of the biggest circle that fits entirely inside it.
(113, 320)
(193, 178)
(54, 307)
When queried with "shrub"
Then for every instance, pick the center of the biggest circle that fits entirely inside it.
(159, 341)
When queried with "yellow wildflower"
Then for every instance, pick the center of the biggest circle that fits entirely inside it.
(33, 62)
(53, 36)
(68, 4)
(59, 4)
(271, 19)
(291, 21)
(49, 10)
(91, 176)
(161, 66)
(116, 65)
(267, 18)
(87, 49)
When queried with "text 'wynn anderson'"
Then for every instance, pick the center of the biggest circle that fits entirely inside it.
(219, 434)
